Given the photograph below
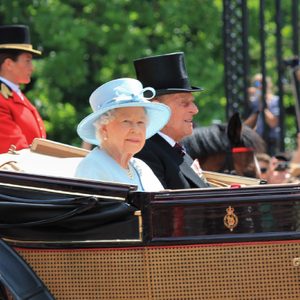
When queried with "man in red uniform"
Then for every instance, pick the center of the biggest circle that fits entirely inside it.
(20, 121)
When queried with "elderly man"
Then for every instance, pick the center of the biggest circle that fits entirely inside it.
(162, 152)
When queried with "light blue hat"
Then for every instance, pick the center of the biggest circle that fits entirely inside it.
(122, 92)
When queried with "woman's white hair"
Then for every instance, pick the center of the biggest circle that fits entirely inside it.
(104, 119)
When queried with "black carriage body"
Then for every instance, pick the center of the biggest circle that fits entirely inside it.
(261, 213)
(217, 243)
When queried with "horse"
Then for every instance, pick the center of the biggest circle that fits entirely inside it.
(226, 148)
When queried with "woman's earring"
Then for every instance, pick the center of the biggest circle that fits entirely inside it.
(105, 138)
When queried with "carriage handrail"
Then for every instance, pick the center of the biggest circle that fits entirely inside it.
(19, 278)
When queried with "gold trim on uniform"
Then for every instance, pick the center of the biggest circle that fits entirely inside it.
(5, 91)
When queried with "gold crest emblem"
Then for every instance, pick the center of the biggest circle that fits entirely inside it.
(5, 91)
(230, 219)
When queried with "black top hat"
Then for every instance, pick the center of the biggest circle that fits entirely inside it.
(165, 73)
(16, 37)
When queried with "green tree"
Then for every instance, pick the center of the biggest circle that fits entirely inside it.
(86, 43)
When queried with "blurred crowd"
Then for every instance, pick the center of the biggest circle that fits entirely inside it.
(280, 167)
(275, 167)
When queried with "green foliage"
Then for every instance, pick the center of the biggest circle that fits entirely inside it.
(86, 43)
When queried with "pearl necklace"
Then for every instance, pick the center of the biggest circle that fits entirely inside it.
(130, 173)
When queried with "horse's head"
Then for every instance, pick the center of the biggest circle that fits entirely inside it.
(226, 148)
(240, 155)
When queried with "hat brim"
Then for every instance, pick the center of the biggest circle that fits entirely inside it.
(158, 116)
(178, 90)
(21, 47)
(282, 156)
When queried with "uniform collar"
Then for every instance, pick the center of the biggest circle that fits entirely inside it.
(13, 86)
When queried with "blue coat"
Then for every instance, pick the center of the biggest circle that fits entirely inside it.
(99, 165)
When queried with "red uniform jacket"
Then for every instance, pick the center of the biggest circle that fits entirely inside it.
(20, 121)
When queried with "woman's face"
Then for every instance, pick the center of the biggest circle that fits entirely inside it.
(20, 71)
(126, 132)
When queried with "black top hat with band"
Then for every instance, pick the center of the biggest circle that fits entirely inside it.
(16, 37)
(165, 73)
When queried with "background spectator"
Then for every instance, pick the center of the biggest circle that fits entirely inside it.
(279, 169)
(264, 160)
(261, 116)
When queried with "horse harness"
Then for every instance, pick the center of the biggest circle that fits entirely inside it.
(228, 165)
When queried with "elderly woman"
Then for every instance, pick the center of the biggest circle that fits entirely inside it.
(121, 121)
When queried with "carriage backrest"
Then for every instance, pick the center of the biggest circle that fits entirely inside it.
(34, 163)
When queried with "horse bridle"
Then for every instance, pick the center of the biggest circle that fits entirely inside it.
(228, 166)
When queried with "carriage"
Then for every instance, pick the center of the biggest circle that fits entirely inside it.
(65, 238)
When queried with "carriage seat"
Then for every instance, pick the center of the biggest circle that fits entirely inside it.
(44, 157)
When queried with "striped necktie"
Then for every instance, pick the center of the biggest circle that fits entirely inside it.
(179, 149)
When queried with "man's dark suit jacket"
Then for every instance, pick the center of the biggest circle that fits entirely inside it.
(173, 170)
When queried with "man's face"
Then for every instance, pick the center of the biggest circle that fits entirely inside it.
(183, 109)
